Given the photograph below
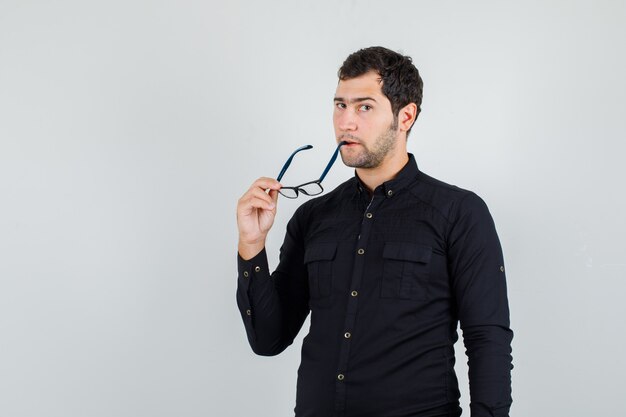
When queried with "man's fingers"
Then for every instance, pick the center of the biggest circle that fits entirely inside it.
(258, 190)
(266, 183)
(256, 198)
(261, 203)
(257, 193)
(274, 196)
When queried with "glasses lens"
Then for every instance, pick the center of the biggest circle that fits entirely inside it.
(312, 188)
(289, 192)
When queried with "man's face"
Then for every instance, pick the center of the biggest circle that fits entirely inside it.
(363, 117)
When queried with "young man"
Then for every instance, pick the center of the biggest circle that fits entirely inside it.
(388, 264)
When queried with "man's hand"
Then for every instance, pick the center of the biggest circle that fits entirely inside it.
(256, 210)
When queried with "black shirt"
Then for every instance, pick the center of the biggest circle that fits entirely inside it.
(387, 278)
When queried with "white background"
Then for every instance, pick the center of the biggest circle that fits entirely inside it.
(128, 129)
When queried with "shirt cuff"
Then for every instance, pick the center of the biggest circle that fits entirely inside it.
(252, 269)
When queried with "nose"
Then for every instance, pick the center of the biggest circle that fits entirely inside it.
(345, 120)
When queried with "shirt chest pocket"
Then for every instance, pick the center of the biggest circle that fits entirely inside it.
(319, 261)
(406, 268)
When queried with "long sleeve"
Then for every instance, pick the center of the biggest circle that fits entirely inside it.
(274, 306)
(478, 279)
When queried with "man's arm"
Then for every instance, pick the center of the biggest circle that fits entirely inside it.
(256, 210)
(479, 285)
(273, 307)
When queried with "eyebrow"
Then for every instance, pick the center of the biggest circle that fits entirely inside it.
(356, 99)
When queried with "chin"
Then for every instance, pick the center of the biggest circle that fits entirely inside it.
(354, 163)
(349, 162)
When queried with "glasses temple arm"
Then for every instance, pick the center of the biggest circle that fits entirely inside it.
(332, 160)
(284, 169)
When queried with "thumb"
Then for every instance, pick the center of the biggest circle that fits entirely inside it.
(274, 196)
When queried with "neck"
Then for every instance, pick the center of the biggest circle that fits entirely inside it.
(387, 170)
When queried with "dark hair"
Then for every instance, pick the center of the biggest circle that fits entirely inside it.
(401, 80)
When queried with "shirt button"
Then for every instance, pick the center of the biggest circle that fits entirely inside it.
(340, 377)
(245, 274)
(390, 193)
(354, 293)
(502, 268)
(248, 312)
(368, 215)
(361, 251)
(257, 269)
(347, 335)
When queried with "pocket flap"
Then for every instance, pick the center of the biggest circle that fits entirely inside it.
(404, 251)
(320, 252)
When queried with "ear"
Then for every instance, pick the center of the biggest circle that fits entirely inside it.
(407, 116)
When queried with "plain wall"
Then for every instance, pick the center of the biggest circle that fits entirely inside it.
(129, 129)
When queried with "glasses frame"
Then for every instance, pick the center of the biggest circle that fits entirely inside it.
(300, 188)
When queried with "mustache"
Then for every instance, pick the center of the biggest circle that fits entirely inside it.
(348, 137)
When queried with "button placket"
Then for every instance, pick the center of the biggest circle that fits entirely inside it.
(352, 305)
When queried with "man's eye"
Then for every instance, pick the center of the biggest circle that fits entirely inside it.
(365, 107)
(340, 105)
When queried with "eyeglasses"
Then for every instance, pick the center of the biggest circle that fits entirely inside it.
(310, 188)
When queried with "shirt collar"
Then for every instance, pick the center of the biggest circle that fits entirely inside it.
(390, 188)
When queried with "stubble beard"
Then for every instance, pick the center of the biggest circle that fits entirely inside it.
(372, 158)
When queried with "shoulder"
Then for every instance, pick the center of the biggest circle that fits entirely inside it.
(450, 201)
